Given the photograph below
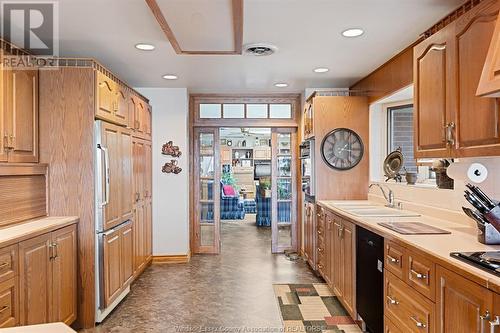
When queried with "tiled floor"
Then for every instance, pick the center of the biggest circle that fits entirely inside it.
(234, 289)
(312, 308)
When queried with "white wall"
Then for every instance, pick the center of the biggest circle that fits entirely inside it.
(170, 192)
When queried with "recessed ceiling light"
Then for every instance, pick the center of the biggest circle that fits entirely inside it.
(353, 32)
(281, 85)
(170, 77)
(145, 47)
(321, 70)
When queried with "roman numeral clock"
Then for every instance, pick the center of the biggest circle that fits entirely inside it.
(342, 149)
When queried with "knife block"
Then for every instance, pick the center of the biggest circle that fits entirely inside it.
(488, 235)
(493, 216)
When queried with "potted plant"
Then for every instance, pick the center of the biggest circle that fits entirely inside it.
(265, 187)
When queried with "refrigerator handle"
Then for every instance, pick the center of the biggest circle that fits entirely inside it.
(106, 175)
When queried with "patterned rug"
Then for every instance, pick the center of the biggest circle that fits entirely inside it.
(312, 308)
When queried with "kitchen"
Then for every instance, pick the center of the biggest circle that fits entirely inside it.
(395, 198)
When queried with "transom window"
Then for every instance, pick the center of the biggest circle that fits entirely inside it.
(246, 111)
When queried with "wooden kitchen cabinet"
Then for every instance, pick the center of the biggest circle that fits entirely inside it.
(225, 155)
(112, 273)
(18, 115)
(47, 275)
(148, 245)
(127, 252)
(460, 303)
(139, 238)
(451, 121)
(35, 276)
(320, 244)
(8, 262)
(64, 289)
(489, 84)
(106, 97)
(310, 234)
(122, 112)
(262, 153)
(308, 120)
(9, 303)
(432, 110)
(328, 248)
(344, 262)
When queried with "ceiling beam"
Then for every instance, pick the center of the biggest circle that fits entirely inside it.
(237, 12)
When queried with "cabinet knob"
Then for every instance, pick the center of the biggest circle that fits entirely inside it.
(392, 259)
(418, 275)
(392, 300)
(418, 323)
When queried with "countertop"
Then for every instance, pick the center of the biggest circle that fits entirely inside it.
(462, 239)
(19, 232)
(43, 328)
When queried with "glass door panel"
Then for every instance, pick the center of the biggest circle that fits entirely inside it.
(284, 190)
(206, 202)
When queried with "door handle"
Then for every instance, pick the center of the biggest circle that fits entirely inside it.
(418, 323)
(494, 324)
(450, 141)
(418, 275)
(392, 259)
(392, 300)
(484, 319)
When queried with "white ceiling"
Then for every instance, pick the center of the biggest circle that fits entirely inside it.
(306, 32)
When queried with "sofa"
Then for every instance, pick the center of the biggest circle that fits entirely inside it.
(264, 209)
(231, 206)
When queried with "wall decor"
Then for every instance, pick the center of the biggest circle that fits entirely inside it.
(223, 142)
(342, 149)
(171, 167)
(171, 150)
(229, 143)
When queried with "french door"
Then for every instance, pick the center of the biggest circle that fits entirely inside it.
(284, 189)
(206, 191)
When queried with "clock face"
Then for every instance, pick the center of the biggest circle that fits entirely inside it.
(342, 149)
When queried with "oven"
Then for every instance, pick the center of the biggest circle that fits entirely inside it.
(307, 168)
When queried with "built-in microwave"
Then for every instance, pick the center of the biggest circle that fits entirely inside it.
(307, 167)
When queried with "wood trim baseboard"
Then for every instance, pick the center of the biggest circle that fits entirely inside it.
(172, 259)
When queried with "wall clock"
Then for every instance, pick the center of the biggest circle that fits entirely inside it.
(342, 149)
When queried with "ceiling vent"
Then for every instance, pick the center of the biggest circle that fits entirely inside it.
(260, 49)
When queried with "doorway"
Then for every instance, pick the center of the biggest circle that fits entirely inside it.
(245, 176)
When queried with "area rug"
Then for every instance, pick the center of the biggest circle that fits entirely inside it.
(312, 308)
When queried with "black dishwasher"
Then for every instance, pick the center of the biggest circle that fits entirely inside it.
(370, 279)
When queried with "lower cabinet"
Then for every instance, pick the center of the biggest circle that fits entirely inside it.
(9, 304)
(143, 245)
(47, 278)
(463, 306)
(310, 246)
(118, 261)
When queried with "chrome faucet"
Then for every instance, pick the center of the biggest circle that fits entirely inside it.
(389, 197)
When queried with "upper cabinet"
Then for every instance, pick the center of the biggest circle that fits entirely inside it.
(308, 120)
(18, 114)
(451, 121)
(489, 85)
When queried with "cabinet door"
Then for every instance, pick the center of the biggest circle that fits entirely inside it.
(121, 114)
(64, 289)
(477, 118)
(489, 84)
(23, 114)
(148, 233)
(138, 167)
(328, 241)
(147, 170)
(111, 139)
(127, 241)
(337, 259)
(131, 105)
(4, 144)
(147, 121)
(106, 97)
(431, 95)
(35, 280)
(139, 116)
(9, 303)
(460, 303)
(139, 236)
(126, 179)
(348, 266)
(113, 280)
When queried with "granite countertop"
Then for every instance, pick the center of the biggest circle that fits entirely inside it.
(19, 232)
(463, 238)
(43, 328)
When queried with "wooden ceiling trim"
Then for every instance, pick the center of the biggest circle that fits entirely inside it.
(237, 12)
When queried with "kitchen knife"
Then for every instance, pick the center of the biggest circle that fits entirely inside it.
(474, 202)
(483, 197)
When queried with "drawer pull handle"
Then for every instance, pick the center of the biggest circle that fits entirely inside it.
(392, 300)
(5, 307)
(419, 275)
(418, 323)
(4, 264)
(320, 266)
(494, 323)
(320, 250)
(484, 319)
(392, 259)
(320, 232)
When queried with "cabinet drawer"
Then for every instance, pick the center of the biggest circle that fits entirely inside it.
(8, 262)
(394, 259)
(9, 313)
(421, 275)
(408, 309)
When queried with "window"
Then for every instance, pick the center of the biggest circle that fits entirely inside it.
(256, 111)
(210, 111)
(234, 111)
(280, 111)
(400, 132)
